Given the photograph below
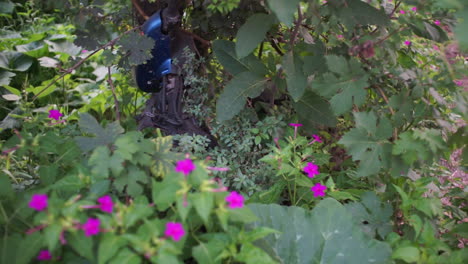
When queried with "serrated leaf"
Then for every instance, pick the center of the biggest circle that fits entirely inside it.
(326, 234)
(410, 148)
(225, 52)
(295, 78)
(235, 94)
(314, 111)
(368, 142)
(102, 161)
(103, 136)
(139, 47)
(284, 10)
(252, 33)
(346, 90)
(132, 181)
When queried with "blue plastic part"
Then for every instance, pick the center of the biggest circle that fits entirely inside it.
(149, 75)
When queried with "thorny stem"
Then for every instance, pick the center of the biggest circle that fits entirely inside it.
(78, 64)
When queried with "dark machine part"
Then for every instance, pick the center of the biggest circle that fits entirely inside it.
(162, 76)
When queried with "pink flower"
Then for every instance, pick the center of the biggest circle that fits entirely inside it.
(55, 114)
(44, 255)
(91, 227)
(437, 22)
(435, 47)
(414, 9)
(407, 42)
(318, 189)
(311, 169)
(295, 124)
(402, 12)
(317, 138)
(235, 200)
(458, 82)
(106, 204)
(84, 51)
(185, 166)
(38, 202)
(340, 37)
(174, 230)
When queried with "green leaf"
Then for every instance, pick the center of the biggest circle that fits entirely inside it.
(356, 12)
(235, 94)
(126, 256)
(314, 111)
(139, 47)
(252, 33)
(225, 52)
(48, 174)
(109, 246)
(251, 254)
(460, 29)
(407, 253)
(102, 162)
(6, 190)
(326, 234)
(83, 245)
(203, 203)
(164, 193)
(15, 61)
(51, 234)
(28, 248)
(5, 77)
(6, 7)
(208, 252)
(368, 142)
(132, 181)
(284, 10)
(103, 136)
(63, 46)
(295, 78)
(345, 90)
(372, 215)
(410, 148)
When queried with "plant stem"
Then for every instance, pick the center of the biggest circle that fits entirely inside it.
(116, 101)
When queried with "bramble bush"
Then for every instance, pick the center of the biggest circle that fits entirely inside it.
(340, 129)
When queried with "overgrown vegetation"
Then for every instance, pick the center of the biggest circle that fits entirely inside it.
(340, 132)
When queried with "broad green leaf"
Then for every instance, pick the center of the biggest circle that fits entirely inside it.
(83, 245)
(6, 7)
(235, 94)
(368, 142)
(164, 193)
(314, 111)
(34, 49)
(109, 245)
(252, 33)
(372, 215)
(225, 52)
(28, 248)
(295, 78)
(5, 77)
(51, 234)
(460, 30)
(251, 254)
(326, 234)
(346, 90)
(15, 61)
(48, 174)
(357, 12)
(203, 203)
(410, 148)
(102, 162)
(6, 190)
(409, 254)
(208, 252)
(132, 181)
(139, 47)
(103, 136)
(63, 46)
(126, 256)
(284, 10)
(136, 212)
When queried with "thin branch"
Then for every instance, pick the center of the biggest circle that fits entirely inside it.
(296, 28)
(196, 37)
(78, 64)
(275, 46)
(389, 35)
(140, 10)
(385, 99)
(260, 51)
(116, 101)
(395, 8)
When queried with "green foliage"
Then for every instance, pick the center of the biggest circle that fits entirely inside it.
(252, 33)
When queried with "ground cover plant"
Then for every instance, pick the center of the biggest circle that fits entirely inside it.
(340, 131)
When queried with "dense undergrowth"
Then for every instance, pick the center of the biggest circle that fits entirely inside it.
(340, 129)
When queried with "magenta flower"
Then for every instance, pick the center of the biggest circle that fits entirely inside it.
(435, 47)
(91, 227)
(407, 42)
(38, 202)
(44, 255)
(402, 12)
(437, 22)
(55, 114)
(235, 200)
(318, 189)
(311, 169)
(295, 124)
(414, 9)
(340, 37)
(174, 230)
(458, 82)
(185, 166)
(106, 204)
(317, 138)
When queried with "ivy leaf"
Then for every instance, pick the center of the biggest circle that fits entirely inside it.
(132, 180)
(235, 94)
(284, 10)
(314, 111)
(103, 136)
(295, 78)
(372, 215)
(368, 142)
(345, 90)
(225, 52)
(252, 33)
(139, 47)
(410, 148)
